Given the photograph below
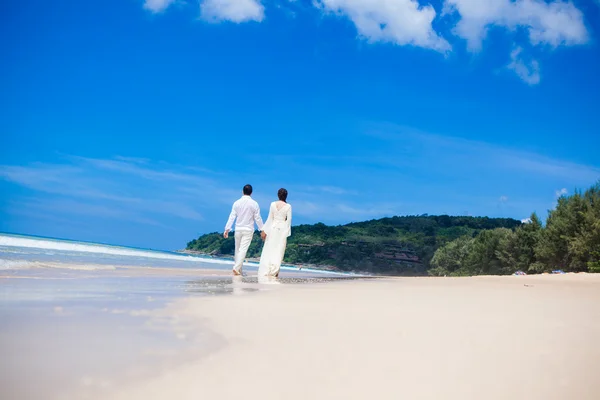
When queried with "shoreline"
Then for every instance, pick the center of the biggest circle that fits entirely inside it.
(327, 268)
(86, 329)
(492, 337)
(159, 335)
(333, 269)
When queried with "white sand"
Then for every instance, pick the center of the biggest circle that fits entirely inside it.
(410, 338)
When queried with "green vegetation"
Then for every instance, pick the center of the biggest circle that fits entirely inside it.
(570, 241)
(444, 245)
(397, 245)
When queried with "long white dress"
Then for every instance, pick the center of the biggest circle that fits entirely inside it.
(278, 228)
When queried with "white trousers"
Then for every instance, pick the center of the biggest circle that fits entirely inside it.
(242, 242)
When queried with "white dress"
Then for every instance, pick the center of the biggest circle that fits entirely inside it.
(278, 228)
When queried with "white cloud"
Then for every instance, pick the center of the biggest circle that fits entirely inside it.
(546, 23)
(526, 221)
(334, 190)
(448, 150)
(561, 192)
(503, 199)
(141, 191)
(308, 208)
(367, 210)
(157, 6)
(552, 23)
(72, 207)
(117, 185)
(232, 10)
(402, 22)
(526, 68)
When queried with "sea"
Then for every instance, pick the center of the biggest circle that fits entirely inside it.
(23, 256)
(82, 319)
(26, 252)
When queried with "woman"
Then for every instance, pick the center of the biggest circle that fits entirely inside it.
(275, 233)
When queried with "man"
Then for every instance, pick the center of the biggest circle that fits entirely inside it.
(246, 212)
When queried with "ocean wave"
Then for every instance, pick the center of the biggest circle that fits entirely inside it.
(25, 245)
(64, 245)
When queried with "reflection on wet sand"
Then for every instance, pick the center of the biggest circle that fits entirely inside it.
(90, 331)
(240, 284)
(268, 280)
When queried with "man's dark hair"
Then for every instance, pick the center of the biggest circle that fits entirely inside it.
(248, 190)
(282, 194)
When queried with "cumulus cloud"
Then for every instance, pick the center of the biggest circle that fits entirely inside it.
(218, 10)
(157, 6)
(403, 22)
(232, 10)
(561, 192)
(546, 23)
(525, 67)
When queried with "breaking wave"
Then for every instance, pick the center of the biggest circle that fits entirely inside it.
(14, 241)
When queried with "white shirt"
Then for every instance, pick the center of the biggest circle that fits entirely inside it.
(247, 212)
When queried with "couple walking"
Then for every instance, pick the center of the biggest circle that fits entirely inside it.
(274, 232)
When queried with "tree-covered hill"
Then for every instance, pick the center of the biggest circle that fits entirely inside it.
(570, 241)
(396, 245)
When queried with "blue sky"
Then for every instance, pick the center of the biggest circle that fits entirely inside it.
(137, 122)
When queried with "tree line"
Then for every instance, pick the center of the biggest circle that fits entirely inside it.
(569, 241)
(401, 245)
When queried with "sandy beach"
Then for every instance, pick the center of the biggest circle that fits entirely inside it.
(532, 337)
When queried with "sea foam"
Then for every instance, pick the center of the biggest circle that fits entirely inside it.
(11, 241)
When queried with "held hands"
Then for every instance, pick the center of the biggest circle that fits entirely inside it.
(263, 235)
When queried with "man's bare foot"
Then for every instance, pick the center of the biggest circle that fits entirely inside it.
(236, 273)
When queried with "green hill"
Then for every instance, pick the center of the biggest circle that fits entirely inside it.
(569, 242)
(396, 246)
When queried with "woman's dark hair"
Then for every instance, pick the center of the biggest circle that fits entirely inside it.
(247, 190)
(282, 194)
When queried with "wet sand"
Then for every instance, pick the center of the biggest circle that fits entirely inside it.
(412, 338)
(71, 331)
